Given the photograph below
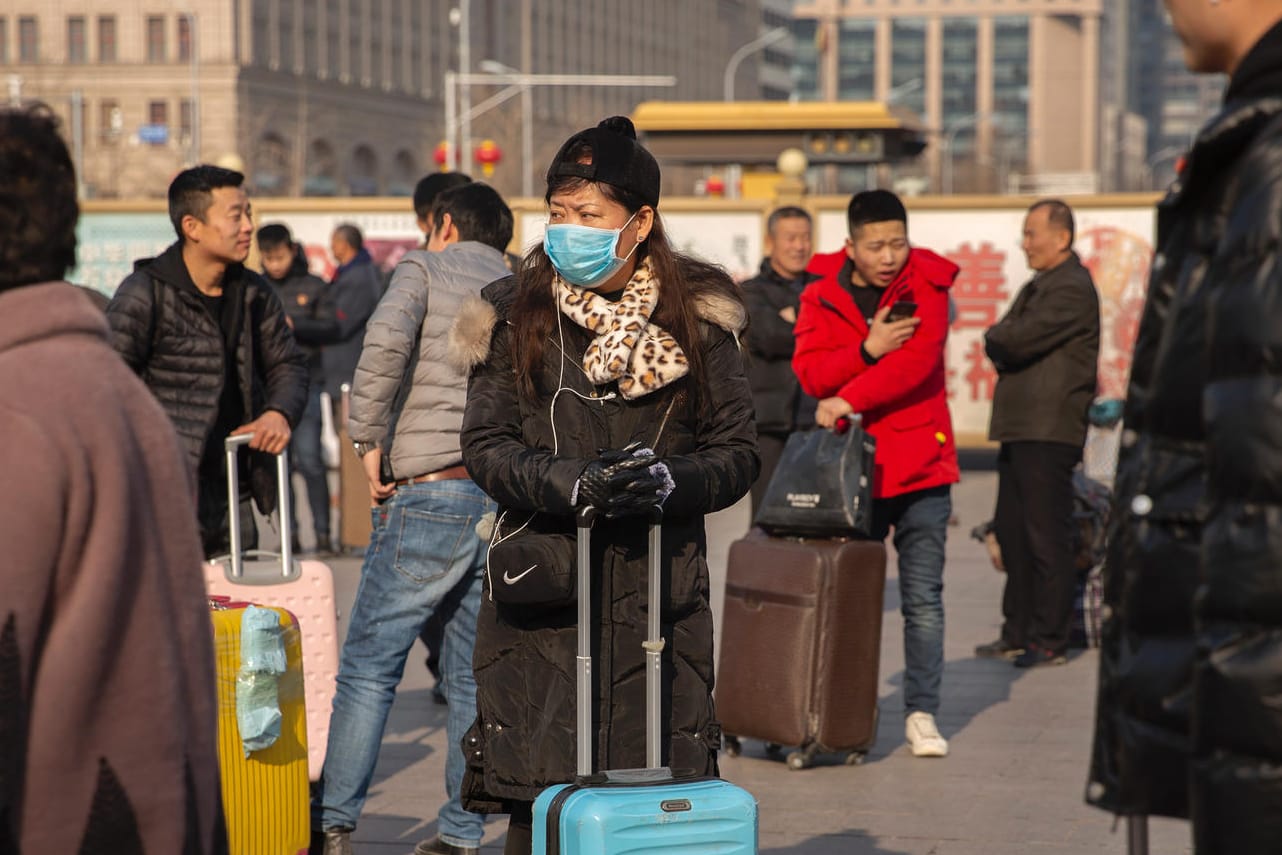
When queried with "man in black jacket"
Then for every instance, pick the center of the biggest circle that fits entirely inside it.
(773, 297)
(302, 294)
(1045, 350)
(193, 323)
(354, 292)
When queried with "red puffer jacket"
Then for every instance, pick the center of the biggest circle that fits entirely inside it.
(902, 397)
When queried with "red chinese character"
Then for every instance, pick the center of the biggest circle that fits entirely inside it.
(980, 287)
(981, 375)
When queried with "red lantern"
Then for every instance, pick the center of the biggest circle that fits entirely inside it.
(442, 155)
(488, 154)
(714, 185)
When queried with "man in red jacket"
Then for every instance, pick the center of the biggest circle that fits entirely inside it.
(870, 340)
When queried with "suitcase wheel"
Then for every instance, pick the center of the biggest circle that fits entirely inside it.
(855, 758)
(802, 758)
(732, 746)
(774, 750)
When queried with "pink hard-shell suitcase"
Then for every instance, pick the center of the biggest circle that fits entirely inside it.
(304, 588)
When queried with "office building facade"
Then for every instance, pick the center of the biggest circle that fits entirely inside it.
(342, 97)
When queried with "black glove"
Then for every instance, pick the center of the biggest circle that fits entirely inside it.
(618, 484)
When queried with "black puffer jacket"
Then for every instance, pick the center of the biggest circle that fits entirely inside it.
(302, 294)
(525, 658)
(776, 393)
(177, 348)
(1191, 663)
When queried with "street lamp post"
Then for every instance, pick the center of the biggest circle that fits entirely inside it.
(763, 41)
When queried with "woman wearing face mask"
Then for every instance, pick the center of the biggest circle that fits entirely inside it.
(606, 372)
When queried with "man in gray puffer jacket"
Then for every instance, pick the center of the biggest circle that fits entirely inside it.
(427, 550)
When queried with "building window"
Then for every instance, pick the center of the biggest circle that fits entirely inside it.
(908, 62)
(76, 48)
(155, 38)
(111, 120)
(184, 38)
(856, 59)
(106, 38)
(961, 51)
(4, 40)
(271, 165)
(185, 121)
(805, 65)
(157, 112)
(28, 40)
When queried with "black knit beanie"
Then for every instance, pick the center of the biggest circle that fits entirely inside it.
(617, 159)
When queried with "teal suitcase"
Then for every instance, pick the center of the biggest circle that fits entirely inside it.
(637, 810)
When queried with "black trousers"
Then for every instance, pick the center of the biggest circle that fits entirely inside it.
(1033, 524)
(770, 447)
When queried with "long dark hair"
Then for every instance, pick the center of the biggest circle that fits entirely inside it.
(682, 279)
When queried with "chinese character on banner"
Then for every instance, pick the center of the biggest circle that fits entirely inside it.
(980, 288)
(1119, 262)
(980, 374)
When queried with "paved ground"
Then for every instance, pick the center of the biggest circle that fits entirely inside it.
(1012, 785)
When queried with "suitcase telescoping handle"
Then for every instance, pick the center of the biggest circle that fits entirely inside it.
(232, 445)
(653, 644)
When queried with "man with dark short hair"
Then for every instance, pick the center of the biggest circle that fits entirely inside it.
(1045, 349)
(425, 193)
(773, 298)
(425, 554)
(209, 337)
(856, 357)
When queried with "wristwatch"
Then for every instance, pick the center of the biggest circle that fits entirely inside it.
(363, 448)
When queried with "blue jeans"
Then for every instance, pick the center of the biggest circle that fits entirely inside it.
(305, 455)
(920, 521)
(424, 556)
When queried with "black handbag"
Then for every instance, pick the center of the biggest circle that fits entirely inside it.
(822, 486)
(531, 561)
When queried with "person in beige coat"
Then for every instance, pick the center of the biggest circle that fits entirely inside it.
(107, 709)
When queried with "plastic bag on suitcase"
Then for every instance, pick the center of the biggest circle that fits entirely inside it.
(304, 588)
(822, 486)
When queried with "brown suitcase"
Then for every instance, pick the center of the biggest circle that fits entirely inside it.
(801, 644)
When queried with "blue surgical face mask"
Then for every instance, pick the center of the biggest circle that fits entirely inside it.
(583, 255)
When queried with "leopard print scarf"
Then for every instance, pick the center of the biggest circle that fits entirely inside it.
(627, 348)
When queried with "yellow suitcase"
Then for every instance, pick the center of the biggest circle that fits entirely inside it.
(265, 795)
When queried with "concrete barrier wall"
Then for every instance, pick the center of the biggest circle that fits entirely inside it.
(982, 235)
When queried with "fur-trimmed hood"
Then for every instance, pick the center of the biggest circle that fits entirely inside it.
(469, 339)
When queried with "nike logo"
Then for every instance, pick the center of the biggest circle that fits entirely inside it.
(512, 580)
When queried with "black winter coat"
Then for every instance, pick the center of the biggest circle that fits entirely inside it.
(776, 393)
(302, 294)
(177, 348)
(1046, 351)
(525, 658)
(1189, 716)
(340, 323)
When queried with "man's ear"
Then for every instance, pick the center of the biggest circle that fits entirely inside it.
(446, 230)
(189, 225)
(850, 248)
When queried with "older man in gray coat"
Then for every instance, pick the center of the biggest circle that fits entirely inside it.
(426, 554)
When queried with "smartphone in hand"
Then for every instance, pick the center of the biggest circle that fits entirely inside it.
(901, 310)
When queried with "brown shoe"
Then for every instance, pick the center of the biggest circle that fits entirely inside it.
(437, 846)
(999, 649)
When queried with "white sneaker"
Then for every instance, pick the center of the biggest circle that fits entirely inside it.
(923, 736)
